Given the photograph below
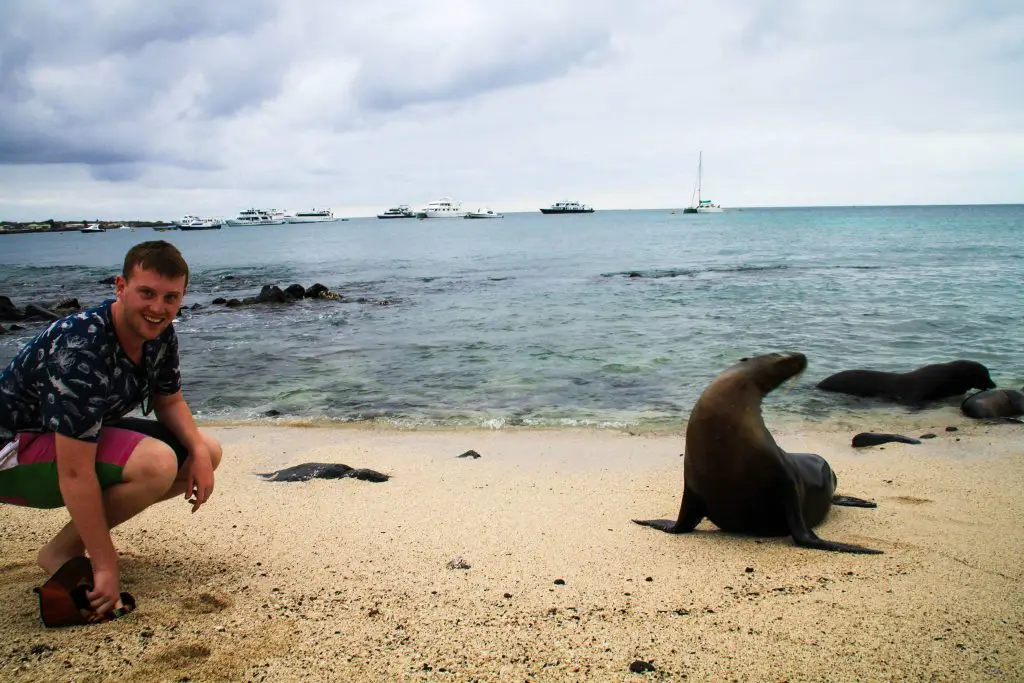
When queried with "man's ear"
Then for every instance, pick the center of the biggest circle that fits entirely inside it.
(119, 284)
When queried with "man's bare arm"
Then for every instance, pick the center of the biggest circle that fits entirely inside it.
(172, 411)
(80, 488)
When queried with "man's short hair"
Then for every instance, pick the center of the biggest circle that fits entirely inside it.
(157, 255)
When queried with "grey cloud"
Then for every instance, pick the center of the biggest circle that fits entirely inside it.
(116, 172)
(408, 68)
(83, 84)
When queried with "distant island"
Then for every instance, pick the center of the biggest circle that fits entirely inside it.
(16, 228)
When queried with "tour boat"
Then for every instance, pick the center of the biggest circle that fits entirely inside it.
(567, 207)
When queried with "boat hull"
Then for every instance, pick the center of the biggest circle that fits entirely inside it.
(199, 227)
(237, 224)
(549, 212)
(444, 214)
(312, 219)
(384, 216)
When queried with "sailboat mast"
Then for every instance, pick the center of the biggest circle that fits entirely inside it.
(700, 170)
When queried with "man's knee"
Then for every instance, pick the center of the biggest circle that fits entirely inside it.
(213, 446)
(152, 461)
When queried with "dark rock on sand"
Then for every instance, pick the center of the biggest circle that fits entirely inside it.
(469, 454)
(640, 666)
(872, 439)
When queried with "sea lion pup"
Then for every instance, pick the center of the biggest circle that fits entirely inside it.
(737, 476)
(323, 470)
(927, 383)
(994, 404)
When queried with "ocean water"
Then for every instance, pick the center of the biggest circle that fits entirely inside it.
(617, 319)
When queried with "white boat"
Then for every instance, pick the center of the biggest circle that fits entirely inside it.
(312, 216)
(92, 227)
(445, 207)
(701, 205)
(567, 207)
(400, 211)
(257, 217)
(126, 228)
(483, 213)
(197, 223)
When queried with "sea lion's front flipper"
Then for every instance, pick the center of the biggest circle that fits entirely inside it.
(850, 501)
(691, 512)
(802, 535)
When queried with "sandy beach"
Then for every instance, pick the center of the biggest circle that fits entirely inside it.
(351, 580)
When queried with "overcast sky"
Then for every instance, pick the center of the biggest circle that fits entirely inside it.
(143, 109)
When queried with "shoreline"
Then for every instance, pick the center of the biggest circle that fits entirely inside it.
(880, 417)
(350, 580)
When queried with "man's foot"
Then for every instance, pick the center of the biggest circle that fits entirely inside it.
(51, 557)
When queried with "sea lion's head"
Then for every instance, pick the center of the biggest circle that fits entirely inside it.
(767, 372)
(973, 374)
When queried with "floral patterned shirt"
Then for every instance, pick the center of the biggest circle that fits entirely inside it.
(74, 376)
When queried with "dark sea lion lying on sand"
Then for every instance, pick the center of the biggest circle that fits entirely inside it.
(323, 470)
(737, 476)
(875, 439)
(927, 383)
(994, 404)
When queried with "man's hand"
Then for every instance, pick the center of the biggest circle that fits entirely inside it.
(198, 477)
(106, 590)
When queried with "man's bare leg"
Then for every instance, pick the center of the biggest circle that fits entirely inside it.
(149, 473)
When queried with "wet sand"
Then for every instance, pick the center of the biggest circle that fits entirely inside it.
(353, 580)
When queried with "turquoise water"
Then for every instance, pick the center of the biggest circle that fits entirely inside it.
(615, 319)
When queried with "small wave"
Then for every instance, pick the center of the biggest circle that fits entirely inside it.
(653, 274)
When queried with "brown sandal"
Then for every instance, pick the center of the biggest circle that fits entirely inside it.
(63, 601)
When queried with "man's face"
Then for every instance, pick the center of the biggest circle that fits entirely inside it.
(150, 301)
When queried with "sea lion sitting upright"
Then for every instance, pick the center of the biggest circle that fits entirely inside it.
(994, 404)
(737, 476)
(927, 383)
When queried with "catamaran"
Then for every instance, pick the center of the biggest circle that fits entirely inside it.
(701, 205)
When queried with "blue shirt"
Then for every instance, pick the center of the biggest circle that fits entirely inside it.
(74, 376)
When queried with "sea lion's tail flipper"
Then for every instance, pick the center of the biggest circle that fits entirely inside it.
(821, 544)
(850, 501)
(802, 534)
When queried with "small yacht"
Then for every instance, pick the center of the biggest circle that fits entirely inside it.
(567, 207)
(400, 211)
(445, 207)
(257, 217)
(701, 205)
(197, 223)
(483, 213)
(313, 216)
(92, 227)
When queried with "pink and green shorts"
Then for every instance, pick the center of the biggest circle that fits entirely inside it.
(32, 480)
